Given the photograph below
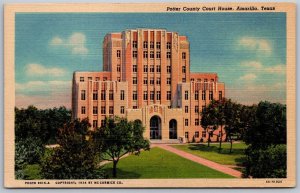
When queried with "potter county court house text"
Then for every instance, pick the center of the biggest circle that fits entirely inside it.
(146, 76)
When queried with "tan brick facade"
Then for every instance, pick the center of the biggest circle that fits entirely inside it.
(146, 76)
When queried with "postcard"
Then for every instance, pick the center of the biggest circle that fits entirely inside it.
(147, 95)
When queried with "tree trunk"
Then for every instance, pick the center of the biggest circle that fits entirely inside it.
(208, 141)
(230, 144)
(115, 168)
(221, 136)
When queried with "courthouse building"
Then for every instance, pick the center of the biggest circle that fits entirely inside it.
(146, 76)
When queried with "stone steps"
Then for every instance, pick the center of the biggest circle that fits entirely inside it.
(166, 141)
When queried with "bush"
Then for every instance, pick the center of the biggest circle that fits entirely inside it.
(266, 163)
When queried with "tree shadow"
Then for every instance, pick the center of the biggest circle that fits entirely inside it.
(240, 161)
(121, 174)
(202, 147)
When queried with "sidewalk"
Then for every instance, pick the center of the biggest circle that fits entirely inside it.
(205, 162)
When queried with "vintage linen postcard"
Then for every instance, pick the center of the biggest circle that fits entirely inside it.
(150, 95)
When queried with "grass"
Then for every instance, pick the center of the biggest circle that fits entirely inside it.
(159, 163)
(212, 152)
(32, 172)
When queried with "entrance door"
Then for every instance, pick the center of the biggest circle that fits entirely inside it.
(173, 129)
(155, 127)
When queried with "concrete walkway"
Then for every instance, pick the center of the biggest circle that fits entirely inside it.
(205, 162)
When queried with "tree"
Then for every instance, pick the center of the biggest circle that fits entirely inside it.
(266, 137)
(213, 116)
(75, 158)
(119, 137)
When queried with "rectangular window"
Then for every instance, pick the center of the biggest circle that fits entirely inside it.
(102, 123)
(134, 54)
(168, 80)
(186, 95)
(169, 69)
(203, 95)
(122, 110)
(134, 80)
(157, 45)
(95, 110)
(203, 108)
(95, 95)
(152, 68)
(145, 68)
(111, 95)
(97, 78)
(186, 122)
(183, 79)
(158, 68)
(118, 68)
(145, 95)
(134, 44)
(145, 45)
(81, 79)
(151, 54)
(168, 95)
(158, 81)
(157, 54)
(183, 69)
(118, 53)
(169, 107)
(204, 134)
(186, 109)
(186, 135)
(122, 95)
(119, 79)
(134, 107)
(151, 95)
(90, 78)
(151, 45)
(220, 95)
(145, 81)
(103, 110)
(183, 55)
(168, 54)
(145, 54)
(168, 45)
(134, 95)
(111, 110)
(83, 110)
(104, 78)
(103, 95)
(157, 95)
(192, 80)
(134, 68)
(196, 95)
(95, 123)
(211, 96)
(196, 109)
(152, 80)
(82, 94)
(196, 134)
(197, 122)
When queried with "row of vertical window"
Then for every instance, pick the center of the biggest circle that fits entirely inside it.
(91, 78)
(151, 45)
(205, 80)
(186, 109)
(186, 134)
(103, 110)
(151, 54)
(151, 95)
(103, 95)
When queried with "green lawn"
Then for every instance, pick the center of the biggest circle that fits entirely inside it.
(212, 152)
(159, 163)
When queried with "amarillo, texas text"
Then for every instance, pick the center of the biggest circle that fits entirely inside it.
(219, 8)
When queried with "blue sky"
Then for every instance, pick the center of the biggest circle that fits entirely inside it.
(247, 50)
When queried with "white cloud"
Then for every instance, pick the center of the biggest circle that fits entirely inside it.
(262, 45)
(248, 77)
(37, 86)
(75, 43)
(278, 69)
(252, 64)
(40, 70)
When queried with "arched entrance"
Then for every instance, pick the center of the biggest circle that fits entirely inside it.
(173, 129)
(155, 127)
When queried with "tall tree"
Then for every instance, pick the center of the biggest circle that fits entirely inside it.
(118, 137)
(75, 158)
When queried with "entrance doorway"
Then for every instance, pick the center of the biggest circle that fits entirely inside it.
(155, 127)
(173, 129)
